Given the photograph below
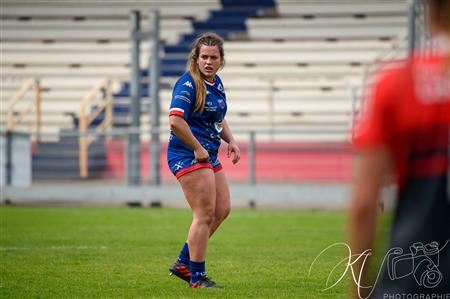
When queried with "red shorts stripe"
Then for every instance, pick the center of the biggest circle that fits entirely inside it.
(192, 168)
(218, 168)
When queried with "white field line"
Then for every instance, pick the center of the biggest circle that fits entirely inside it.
(13, 248)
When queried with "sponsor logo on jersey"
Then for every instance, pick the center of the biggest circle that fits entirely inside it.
(188, 84)
(183, 98)
(187, 93)
(432, 86)
(209, 107)
(221, 103)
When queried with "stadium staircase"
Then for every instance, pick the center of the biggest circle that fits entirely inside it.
(59, 160)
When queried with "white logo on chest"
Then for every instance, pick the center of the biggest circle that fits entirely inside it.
(188, 84)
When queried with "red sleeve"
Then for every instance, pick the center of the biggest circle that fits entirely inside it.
(375, 124)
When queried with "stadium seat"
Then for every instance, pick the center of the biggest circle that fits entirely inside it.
(288, 63)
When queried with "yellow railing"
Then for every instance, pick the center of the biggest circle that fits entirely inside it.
(16, 117)
(104, 103)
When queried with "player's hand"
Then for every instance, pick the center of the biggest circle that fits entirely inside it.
(201, 154)
(234, 152)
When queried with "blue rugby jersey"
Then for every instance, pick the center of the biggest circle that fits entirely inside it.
(205, 126)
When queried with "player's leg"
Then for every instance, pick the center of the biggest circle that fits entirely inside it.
(199, 189)
(222, 209)
(179, 164)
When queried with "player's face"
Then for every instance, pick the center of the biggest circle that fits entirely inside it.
(209, 61)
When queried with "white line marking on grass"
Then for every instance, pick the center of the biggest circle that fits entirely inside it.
(13, 248)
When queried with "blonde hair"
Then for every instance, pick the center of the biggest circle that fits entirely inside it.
(207, 39)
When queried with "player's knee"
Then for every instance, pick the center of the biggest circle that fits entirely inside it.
(207, 215)
(208, 219)
(222, 213)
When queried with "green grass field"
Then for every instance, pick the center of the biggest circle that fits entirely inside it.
(96, 252)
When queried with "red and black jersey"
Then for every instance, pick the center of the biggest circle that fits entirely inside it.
(408, 112)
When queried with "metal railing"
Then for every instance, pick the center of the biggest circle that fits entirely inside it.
(293, 171)
(269, 173)
(297, 155)
(86, 119)
(16, 117)
(417, 24)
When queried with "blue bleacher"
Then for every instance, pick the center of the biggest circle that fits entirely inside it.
(227, 22)
(126, 90)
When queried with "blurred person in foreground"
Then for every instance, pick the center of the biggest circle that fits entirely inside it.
(405, 129)
(197, 122)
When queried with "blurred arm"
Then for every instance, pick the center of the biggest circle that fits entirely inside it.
(371, 170)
